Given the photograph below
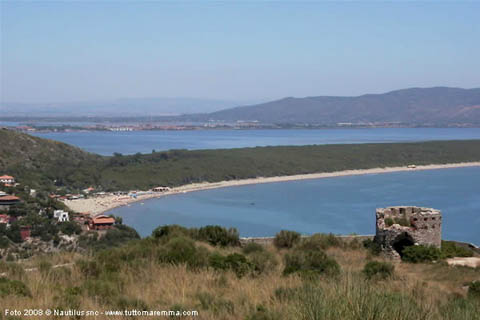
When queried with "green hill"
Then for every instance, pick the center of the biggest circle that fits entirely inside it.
(39, 162)
(45, 164)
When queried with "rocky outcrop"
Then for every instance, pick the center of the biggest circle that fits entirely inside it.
(34, 245)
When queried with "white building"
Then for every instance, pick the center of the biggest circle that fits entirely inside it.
(61, 215)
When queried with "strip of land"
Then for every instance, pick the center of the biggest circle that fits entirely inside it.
(100, 204)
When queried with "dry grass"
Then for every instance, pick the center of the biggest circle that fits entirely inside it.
(222, 295)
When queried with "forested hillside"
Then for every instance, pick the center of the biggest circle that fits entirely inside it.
(47, 164)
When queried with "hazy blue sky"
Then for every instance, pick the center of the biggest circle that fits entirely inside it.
(71, 51)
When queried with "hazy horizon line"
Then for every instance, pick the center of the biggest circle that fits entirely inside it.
(227, 100)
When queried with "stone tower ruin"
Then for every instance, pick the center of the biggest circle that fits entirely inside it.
(400, 227)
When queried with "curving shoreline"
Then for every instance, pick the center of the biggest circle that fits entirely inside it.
(98, 205)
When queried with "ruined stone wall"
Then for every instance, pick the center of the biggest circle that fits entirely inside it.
(398, 227)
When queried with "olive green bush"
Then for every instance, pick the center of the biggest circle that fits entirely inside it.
(378, 270)
(286, 239)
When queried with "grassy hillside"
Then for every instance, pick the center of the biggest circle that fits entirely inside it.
(44, 163)
(318, 278)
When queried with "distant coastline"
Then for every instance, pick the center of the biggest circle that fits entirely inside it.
(99, 205)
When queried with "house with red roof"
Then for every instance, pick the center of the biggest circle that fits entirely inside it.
(7, 201)
(101, 222)
(7, 180)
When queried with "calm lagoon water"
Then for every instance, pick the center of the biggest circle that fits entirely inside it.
(106, 143)
(339, 205)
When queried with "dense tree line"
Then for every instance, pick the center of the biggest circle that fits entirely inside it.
(66, 168)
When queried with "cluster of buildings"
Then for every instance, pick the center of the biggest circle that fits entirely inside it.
(85, 220)
(96, 223)
(7, 200)
(100, 222)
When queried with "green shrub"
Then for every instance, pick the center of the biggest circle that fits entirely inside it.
(216, 235)
(130, 254)
(235, 262)
(403, 221)
(173, 230)
(103, 290)
(319, 242)
(118, 236)
(310, 263)
(417, 254)
(183, 250)
(110, 261)
(474, 289)
(286, 239)
(70, 227)
(70, 299)
(13, 233)
(376, 269)
(263, 262)
(450, 249)
(252, 247)
(13, 287)
(389, 222)
(4, 242)
(372, 246)
(354, 244)
(178, 309)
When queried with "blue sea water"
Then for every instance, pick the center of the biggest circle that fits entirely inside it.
(340, 205)
(106, 143)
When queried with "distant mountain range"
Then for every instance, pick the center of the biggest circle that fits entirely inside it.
(126, 107)
(415, 106)
(439, 105)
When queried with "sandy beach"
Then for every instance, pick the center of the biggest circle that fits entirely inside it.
(101, 204)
